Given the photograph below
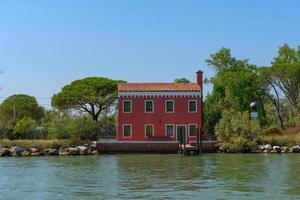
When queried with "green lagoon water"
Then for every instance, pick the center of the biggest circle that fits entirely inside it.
(212, 176)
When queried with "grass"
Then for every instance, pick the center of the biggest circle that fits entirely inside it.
(40, 144)
(281, 140)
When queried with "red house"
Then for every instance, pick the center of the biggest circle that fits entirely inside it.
(160, 111)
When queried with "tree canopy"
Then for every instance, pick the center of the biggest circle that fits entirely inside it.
(25, 106)
(91, 95)
(235, 86)
(182, 80)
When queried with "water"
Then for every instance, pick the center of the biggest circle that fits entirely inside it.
(214, 176)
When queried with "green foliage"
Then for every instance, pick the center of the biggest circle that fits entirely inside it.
(235, 86)
(237, 131)
(26, 106)
(24, 128)
(91, 95)
(272, 130)
(182, 80)
(81, 128)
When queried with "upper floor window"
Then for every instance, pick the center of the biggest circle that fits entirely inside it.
(149, 130)
(169, 106)
(127, 130)
(192, 106)
(193, 130)
(127, 106)
(149, 106)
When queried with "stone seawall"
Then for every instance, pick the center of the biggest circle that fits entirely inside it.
(147, 147)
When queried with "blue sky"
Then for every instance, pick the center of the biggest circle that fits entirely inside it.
(45, 44)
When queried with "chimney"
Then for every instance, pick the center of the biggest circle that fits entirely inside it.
(200, 78)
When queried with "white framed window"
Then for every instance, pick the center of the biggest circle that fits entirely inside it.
(192, 130)
(169, 130)
(127, 106)
(127, 130)
(149, 106)
(192, 106)
(149, 130)
(169, 106)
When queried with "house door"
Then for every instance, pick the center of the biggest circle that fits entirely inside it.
(181, 134)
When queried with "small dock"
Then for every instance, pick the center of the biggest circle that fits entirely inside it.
(193, 149)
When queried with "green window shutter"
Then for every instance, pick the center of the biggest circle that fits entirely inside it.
(193, 130)
(170, 106)
(192, 106)
(127, 131)
(127, 106)
(149, 130)
(149, 106)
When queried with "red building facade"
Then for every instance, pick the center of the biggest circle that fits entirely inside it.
(160, 111)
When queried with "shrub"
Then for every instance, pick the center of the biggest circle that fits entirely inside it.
(24, 129)
(237, 131)
(272, 130)
(76, 128)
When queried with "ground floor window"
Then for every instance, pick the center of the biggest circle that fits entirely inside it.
(193, 130)
(127, 130)
(170, 130)
(149, 130)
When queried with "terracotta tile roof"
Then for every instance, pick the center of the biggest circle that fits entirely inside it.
(158, 87)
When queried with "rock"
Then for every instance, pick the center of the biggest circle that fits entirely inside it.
(33, 150)
(25, 153)
(50, 152)
(268, 147)
(5, 152)
(93, 147)
(277, 149)
(295, 149)
(260, 147)
(82, 150)
(63, 152)
(15, 151)
(285, 150)
(73, 151)
(94, 152)
(266, 151)
(37, 154)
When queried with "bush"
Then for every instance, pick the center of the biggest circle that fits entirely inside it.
(272, 130)
(76, 128)
(236, 131)
(24, 129)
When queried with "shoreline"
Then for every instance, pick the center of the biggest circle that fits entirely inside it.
(84, 150)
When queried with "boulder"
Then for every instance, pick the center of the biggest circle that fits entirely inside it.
(33, 150)
(50, 152)
(260, 147)
(15, 151)
(277, 149)
(268, 147)
(82, 150)
(95, 152)
(295, 149)
(25, 153)
(93, 147)
(266, 151)
(63, 152)
(285, 150)
(37, 154)
(73, 151)
(5, 152)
